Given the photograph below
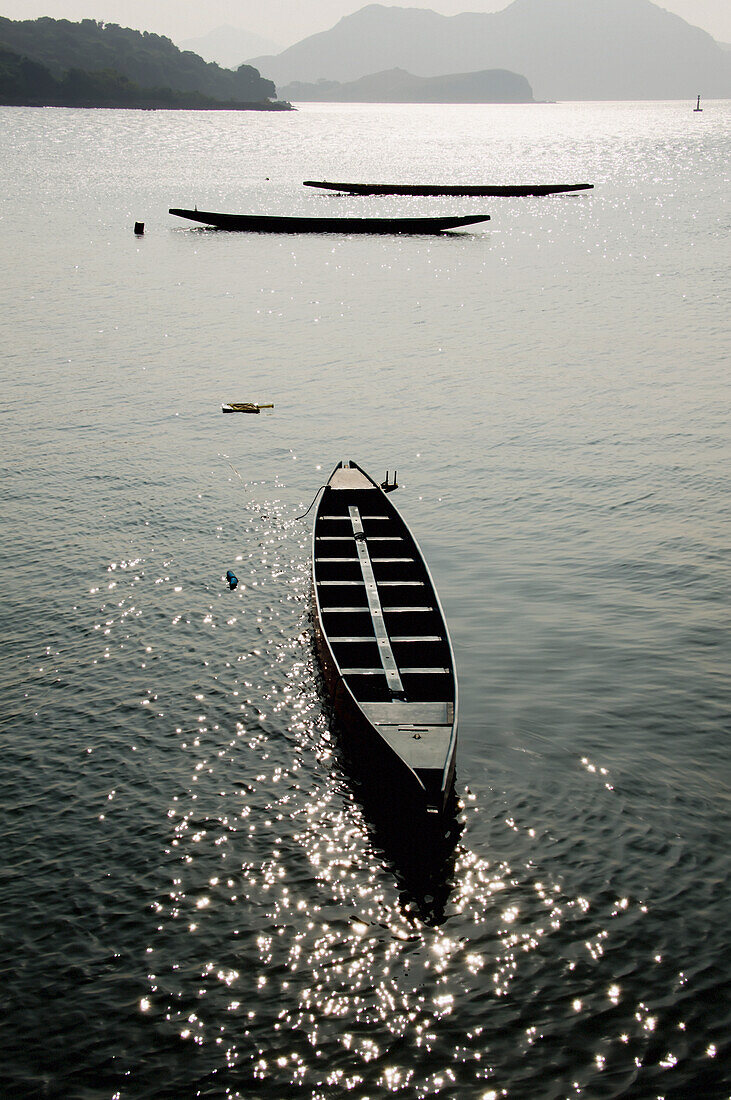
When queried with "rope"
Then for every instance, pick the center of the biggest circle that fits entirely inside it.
(238, 475)
(313, 501)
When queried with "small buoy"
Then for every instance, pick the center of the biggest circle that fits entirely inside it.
(232, 579)
(139, 229)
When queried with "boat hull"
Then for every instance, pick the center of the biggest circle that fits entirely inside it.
(509, 191)
(379, 633)
(254, 223)
(378, 767)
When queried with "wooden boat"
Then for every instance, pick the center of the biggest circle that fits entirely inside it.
(255, 223)
(243, 407)
(511, 191)
(382, 641)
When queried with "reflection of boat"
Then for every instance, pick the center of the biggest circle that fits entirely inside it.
(698, 105)
(514, 191)
(383, 642)
(256, 223)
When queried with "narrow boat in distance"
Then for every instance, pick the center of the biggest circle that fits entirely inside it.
(257, 223)
(383, 643)
(509, 191)
(243, 407)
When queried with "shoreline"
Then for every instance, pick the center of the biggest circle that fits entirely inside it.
(277, 105)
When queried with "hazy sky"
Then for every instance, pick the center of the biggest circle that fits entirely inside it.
(286, 21)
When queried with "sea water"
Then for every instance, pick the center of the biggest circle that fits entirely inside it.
(196, 899)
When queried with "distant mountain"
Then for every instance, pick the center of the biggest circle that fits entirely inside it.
(398, 86)
(147, 60)
(228, 46)
(566, 49)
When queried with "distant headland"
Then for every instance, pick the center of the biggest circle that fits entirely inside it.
(55, 63)
(398, 86)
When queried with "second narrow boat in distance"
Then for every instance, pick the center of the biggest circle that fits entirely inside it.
(262, 223)
(383, 642)
(506, 191)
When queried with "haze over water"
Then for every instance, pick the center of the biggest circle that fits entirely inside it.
(196, 901)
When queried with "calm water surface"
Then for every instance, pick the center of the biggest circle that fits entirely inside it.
(197, 898)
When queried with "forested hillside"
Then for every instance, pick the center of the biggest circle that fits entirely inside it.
(26, 83)
(147, 60)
